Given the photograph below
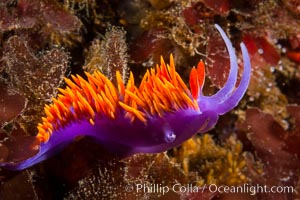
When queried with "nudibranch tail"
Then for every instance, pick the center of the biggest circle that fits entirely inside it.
(160, 113)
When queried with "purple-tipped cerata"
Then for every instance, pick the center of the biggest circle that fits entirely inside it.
(158, 115)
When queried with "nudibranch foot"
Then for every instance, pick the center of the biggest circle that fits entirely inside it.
(159, 114)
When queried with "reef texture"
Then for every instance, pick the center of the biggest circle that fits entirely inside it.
(256, 143)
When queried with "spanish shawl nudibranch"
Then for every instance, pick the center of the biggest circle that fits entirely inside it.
(159, 114)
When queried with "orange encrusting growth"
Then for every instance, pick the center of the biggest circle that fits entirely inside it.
(161, 90)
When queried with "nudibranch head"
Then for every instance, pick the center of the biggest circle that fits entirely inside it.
(159, 114)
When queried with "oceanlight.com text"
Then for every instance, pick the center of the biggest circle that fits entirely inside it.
(213, 188)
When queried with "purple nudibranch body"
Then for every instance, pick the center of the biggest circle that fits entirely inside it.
(158, 115)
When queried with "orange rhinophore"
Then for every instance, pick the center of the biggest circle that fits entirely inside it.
(197, 77)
